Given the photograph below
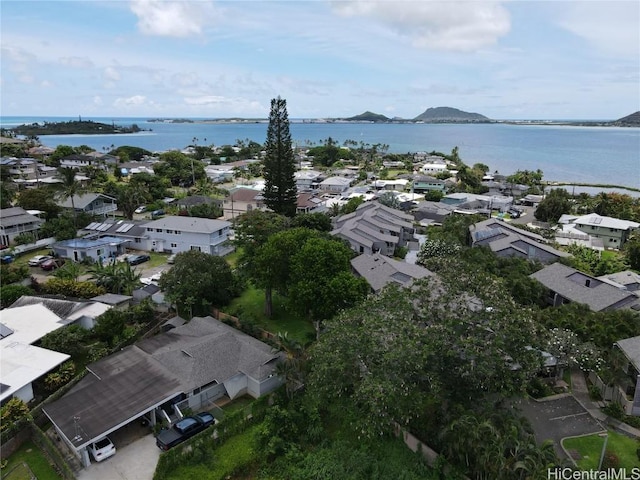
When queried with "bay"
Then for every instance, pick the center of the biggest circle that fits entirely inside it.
(596, 155)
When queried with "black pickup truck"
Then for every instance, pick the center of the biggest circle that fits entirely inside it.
(183, 430)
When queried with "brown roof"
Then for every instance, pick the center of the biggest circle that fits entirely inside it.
(245, 195)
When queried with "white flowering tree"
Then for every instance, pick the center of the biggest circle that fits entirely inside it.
(569, 351)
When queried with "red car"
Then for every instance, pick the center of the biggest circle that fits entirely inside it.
(52, 264)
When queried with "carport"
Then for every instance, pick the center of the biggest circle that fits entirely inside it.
(117, 390)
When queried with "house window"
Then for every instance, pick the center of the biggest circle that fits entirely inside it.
(169, 231)
(178, 232)
(99, 252)
(149, 229)
(159, 230)
(174, 245)
(195, 247)
(138, 240)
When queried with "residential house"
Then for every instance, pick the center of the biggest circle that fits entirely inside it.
(531, 200)
(184, 368)
(92, 159)
(630, 348)
(100, 249)
(19, 167)
(432, 213)
(626, 280)
(114, 300)
(82, 313)
(307, 180)
(309, 203)
(425, 183)
(374, 228)
(567, 285)
(21, 362)
(379, 271)
(613, 232)
(396, 184)
(506, 240)
(434, 165)
(95, 204)
(335, 184)
(15, 221)
(177, 234)
(478, 202)
(133, 232)
(242, 200)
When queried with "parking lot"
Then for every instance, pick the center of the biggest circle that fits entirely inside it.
(558, 418)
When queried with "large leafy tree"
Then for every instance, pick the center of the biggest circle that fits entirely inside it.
(197, 282)
(39, 199)
(553, 206)
(280, 191)
(179, 168)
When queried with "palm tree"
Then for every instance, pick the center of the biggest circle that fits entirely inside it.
(70, 187)
(292, 369)
(116, 277)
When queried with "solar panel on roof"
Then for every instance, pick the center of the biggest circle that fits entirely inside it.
(126, 227)
(595, 220)
(92, 226)
(104, 227)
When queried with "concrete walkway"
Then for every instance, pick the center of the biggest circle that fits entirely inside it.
(580, 392)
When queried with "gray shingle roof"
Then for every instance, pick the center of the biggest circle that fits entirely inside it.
(188, 224)
(17, 216)
(82, 201)
(631, 348)
(379, 270)
(582, 288)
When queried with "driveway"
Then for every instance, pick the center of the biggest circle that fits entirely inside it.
(558, 418)
(136, 461)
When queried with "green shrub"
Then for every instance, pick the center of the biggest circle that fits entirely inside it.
(69, 340)
(537, 388)
(614, 410)
(57, 379)
(594, 393)
(71, 288)
(13, 273)
(11, 293)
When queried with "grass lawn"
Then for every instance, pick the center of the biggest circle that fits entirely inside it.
(251, 305)
(157, 259)
(235, 453)
(590, 449)
(233, 257)
(30, 454)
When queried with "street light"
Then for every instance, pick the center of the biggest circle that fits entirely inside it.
(604, 448)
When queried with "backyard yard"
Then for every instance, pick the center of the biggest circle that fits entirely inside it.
(249, 307)
(27, 461)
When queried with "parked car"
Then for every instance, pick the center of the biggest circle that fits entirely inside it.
(157, 213)
(183, 430)
(138, 259)
(8, 258)
(38, 260)
(52, 264)
(102, 449)
(140, 209)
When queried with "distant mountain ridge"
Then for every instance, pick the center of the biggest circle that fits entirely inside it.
(632, 120)
(449, 114)
(430, 115)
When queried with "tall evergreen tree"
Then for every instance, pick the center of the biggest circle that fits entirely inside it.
(280, 192)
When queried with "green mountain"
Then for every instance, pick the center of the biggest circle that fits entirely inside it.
(632, 120)
(368, 117)
(448, 114)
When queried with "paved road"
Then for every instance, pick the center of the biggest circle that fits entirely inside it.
(136, 461)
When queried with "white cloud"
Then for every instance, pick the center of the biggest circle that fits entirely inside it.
(97, 100)
(46, 84)
(178, 18)
(205, 100)
(134, 101)
(435, 24)
(610, 26)
(111, 74)
(76, 62)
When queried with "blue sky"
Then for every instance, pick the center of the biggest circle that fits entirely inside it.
(512, 59)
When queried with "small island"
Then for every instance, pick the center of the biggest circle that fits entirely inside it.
(82, 127)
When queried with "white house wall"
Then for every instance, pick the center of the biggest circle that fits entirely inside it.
(185, 241)
(25, 393)
(236, 385)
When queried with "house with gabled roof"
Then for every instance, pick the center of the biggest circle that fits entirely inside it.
(96, 204)
(566, 284)
(21, 362)
(185, 367)
(178, 234)
(71, 312)
(630, 348)
(335, 184)
(613, 231)
(379, 271)
(506, 240)
(374, 227)
(15, 221)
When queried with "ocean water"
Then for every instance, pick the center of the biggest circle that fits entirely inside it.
(603, 155)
